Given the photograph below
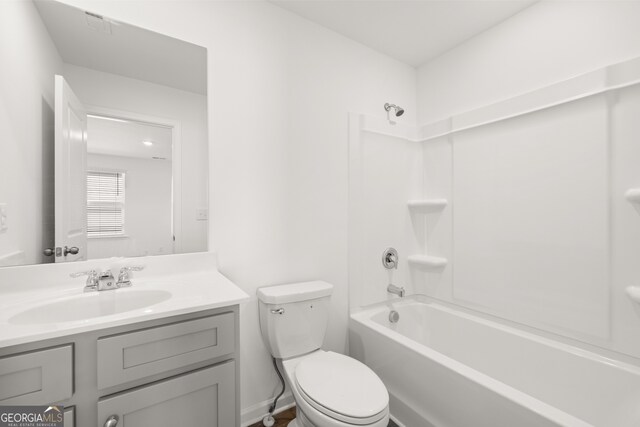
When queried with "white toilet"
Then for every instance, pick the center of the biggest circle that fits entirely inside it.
(330, 389)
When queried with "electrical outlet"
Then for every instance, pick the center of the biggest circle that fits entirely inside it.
(202, 214)
(3, 218)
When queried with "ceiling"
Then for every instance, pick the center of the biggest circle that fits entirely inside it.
(102, 44)
(125, 138)
(412, 31)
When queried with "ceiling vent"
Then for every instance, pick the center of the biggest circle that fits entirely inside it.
(98, 23)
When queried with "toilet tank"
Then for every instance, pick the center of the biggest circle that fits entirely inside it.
(294, 317)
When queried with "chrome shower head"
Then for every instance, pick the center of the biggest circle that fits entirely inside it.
(398, 110)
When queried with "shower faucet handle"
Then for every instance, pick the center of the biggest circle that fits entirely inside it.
(390, 258)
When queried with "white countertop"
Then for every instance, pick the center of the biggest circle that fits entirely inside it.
(189, 292)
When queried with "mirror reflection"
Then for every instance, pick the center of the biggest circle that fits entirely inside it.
(98, 119)
(129, 188)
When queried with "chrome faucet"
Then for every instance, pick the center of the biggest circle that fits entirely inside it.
(397, 290)
(105, 281)
(97, 281)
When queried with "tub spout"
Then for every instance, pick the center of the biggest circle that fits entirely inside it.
(393, 289)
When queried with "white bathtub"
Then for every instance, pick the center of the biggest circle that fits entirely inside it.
(447, 368)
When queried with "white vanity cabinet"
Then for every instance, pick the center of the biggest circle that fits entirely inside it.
(175, 371)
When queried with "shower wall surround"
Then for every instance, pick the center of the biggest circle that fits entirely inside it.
(536, 228)
(530, 209)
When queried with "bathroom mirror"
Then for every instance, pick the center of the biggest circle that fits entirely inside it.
(104, 148)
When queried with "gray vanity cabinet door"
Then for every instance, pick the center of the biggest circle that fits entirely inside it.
(203, 398)
(37, 378)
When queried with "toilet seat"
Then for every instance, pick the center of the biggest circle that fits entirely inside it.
(342, 388)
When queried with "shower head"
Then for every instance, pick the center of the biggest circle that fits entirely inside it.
(398, 110)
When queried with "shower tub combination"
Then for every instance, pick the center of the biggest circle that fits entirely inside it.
(447, 368)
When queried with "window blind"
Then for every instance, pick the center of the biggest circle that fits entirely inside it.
(105, 203)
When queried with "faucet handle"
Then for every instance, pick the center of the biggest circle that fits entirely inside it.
(92, 279)
(123, 277)
(89, 273)
(390, 258)
(124, 271)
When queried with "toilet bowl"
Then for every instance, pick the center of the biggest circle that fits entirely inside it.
(333, 390)
(330, 389)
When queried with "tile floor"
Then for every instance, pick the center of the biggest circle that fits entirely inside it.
(284, 417)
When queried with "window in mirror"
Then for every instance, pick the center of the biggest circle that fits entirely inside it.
(131, 195)
(105, 204)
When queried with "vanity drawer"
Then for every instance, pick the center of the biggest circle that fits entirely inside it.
(37, 378)
(205, 397)
(136, 355)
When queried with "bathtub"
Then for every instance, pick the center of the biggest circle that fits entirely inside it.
(448, 368)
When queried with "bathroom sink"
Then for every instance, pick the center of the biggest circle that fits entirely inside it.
(90, 305)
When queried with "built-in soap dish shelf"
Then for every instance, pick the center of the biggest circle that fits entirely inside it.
(633, 292)
(427, 205)
(633, 195)
(427, 261)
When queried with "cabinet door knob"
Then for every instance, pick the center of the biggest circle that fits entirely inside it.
(112, 421)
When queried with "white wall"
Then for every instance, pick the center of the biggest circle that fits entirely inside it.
(147, 208)
(545, 43)
(280, 89)
(26, 129)
(111, 91)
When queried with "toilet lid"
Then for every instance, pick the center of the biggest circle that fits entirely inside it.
(342, 385)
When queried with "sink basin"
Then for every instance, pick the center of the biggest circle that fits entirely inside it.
(90, 305)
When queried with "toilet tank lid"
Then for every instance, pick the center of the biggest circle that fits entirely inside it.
(294, 292)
